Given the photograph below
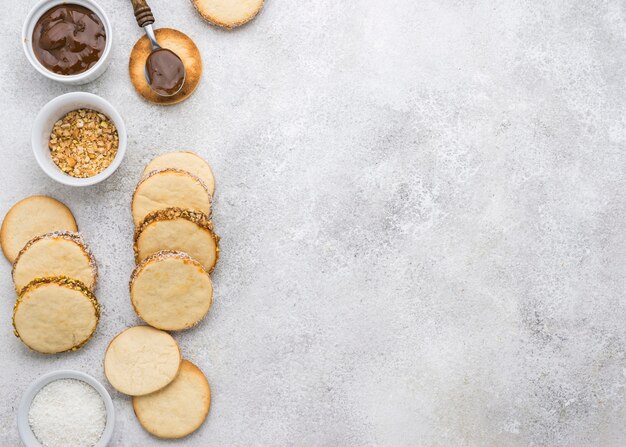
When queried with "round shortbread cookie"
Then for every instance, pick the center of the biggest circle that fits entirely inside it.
(141, 360)
(228, 13)
(184, 48)
(185, 161)
(169, 188)
(31, 217)
(180, 408)
(176, 229)
(57, 314)
(171, 291)
(55, 254)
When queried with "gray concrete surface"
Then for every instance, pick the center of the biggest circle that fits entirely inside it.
(422, 207)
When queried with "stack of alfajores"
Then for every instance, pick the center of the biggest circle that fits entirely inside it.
(176, 249)
(54, 274)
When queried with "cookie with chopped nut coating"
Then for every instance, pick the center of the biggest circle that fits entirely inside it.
(55, 254)
(141, 360)
(56, 314)
(185, 161)
(179, 230)
(168, 188)
(180, 408)
(171, 291)
(31, 217)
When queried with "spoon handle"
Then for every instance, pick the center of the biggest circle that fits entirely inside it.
(143, 13)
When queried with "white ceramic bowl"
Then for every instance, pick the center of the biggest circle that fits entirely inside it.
(55, 110)
(82, 78)
(23, 425)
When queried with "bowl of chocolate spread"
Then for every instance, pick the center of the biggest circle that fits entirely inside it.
(68, 41)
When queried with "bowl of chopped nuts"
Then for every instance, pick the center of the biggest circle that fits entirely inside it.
(79, 139)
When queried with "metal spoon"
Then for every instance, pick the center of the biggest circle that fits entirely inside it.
(145, 19)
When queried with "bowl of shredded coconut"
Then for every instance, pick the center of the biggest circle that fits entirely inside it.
(66, 409)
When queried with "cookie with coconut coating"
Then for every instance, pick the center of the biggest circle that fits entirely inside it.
(62, 253)
(228, 13)
(185, 161)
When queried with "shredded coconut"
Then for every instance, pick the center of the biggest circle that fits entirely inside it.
(67, 413)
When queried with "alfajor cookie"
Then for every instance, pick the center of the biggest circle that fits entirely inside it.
(171, 291)
(55, 254)
(178, 409)
(57, 314)
(169, 188)
(184, 48)
(228, 13)
(177, 229)
(141, 360)
(185, 161)
(31, 217)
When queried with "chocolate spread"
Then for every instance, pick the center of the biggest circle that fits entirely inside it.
(69, 39)
(165, 72)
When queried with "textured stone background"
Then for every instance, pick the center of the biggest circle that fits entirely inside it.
(422, 207)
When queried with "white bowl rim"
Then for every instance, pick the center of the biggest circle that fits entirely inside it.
(37, 11)
(23, 425)
(88, 99)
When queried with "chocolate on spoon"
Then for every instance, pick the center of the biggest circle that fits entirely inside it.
(164, 70)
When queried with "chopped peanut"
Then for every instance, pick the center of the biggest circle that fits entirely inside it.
(83, 143)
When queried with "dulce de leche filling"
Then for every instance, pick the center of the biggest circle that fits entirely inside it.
(165, 72)
(69, 39)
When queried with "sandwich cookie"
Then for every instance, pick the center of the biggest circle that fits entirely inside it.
(55, 254)
(185, 161)
(31, 217)
(171, 291)
(177, 229)
(57, 314)
(169, 188)
(228, 13)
